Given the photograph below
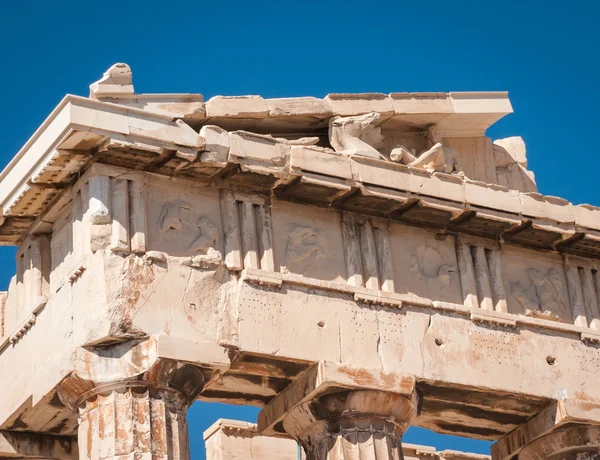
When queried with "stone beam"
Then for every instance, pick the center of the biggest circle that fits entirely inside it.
(564, 427)
(78, 124)
(165, 257)
(16, 444)
(329, 377)
(51, 162)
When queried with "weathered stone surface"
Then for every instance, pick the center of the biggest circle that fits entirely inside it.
(236, 106)
(116, 80)
(133, 422)
(298, 106)
(15, 444)
(253, 257)
(413, 103)
(216, 141)
(356, 135)
(232, 439)
(355, 104)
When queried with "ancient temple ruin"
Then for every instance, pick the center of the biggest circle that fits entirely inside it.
(353, 265)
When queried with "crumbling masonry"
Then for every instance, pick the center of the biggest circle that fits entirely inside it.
(353, 265)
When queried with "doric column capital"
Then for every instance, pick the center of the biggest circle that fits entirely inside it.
(131, 402)
(129, 365)
(339, 412)
(348, 421)
(580, 442)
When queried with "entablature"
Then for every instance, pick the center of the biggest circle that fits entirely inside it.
(118, 196)
(82, 131)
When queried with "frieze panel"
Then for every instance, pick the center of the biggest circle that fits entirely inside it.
(183, 223)
(306, 247)
(535, 284)
(308, 242)
(424, 265)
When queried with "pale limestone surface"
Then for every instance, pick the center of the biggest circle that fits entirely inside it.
(115, 81)
(232, 439)
(235, 440)
(356, 135)
(169, 252)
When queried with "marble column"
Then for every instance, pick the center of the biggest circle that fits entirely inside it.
(352, 425)
(132, 421)
(579, 442)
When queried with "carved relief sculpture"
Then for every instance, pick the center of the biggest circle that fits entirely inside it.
(427, 264)
(178, 220)
(305, 248)
(357, 297)
(539, 292)
(438, 158)
(510, 158)
(356, 135)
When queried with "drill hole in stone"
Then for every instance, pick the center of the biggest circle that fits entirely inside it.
(551, 360)
(439, 342)
(321, 324)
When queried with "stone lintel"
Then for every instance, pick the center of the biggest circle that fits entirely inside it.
(189, 107)
(16, 444)
(183, 365)
(325, 378)
(224, 424)
(79, 124)
(560, 414)
(206, 354)
(456, 113)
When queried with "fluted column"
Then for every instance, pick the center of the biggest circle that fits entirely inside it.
(352, 425)
(133, 422)
(580, 442)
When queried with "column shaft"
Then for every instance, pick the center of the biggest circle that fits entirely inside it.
(133, 423)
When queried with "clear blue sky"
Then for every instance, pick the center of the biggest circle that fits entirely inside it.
(545, 53)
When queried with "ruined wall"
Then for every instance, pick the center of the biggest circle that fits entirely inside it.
(299, 283)
(128, 237)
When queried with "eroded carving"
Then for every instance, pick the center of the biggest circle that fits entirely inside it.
(427, 264)
(356, 135)
(359, 135)
(209, 234)
(539, 292)
(179, 220)
(117, 79)
(306, 246)
(438, 158)
(510, 157)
